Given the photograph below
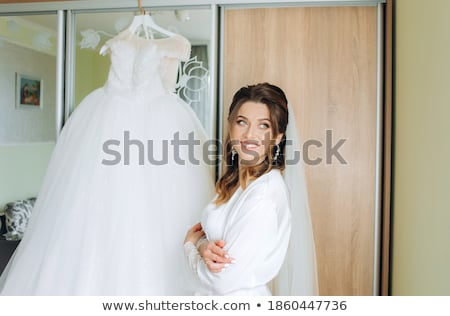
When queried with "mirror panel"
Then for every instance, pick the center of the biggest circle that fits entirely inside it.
(91, 69)
(27, 78)
(27, 102)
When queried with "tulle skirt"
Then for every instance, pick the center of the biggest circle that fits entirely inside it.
(126, 180)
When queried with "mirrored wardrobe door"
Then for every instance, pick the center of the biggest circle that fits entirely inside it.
(89, 69)
(28, 58)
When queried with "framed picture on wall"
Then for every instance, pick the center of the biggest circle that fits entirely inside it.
(29, 91)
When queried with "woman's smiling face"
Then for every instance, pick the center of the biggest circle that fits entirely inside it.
(251, 133)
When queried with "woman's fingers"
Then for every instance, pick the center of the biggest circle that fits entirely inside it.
(216, 267)
(197, 235)
(218, 251)
(216, 259)
(214, 256)
(194, 234)
(197, 227)
(219, 255)
(221, 259)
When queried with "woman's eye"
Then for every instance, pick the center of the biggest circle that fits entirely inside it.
(264, 125)
(240, 122)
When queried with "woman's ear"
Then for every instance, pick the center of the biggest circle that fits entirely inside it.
(279, 138)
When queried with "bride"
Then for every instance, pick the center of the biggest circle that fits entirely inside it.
(244, 240)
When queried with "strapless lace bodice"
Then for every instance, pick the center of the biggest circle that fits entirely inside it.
(144, 65)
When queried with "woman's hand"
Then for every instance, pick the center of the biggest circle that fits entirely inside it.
(215, 258)
(194, 234)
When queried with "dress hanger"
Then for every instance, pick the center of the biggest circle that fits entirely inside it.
(146, 22)
(143, 22)
(141, 9)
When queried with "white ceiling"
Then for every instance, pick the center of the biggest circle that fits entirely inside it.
(197, 28)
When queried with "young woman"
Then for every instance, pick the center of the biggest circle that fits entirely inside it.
(241, 242)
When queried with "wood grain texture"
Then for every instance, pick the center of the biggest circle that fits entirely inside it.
(324, 58)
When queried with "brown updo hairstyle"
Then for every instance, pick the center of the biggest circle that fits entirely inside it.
(234, 176)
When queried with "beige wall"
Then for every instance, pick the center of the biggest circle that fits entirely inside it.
(421, 209)
(22, 169)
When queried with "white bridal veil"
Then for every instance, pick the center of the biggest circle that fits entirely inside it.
(298, 275)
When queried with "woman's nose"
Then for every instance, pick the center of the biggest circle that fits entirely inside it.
(249, 131)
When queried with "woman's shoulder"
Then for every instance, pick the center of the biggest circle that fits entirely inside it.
(273, 178)
(268, 186)
(266, 196)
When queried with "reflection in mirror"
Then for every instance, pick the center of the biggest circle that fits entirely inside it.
(91, 69)
(28, 74)
(27, 103)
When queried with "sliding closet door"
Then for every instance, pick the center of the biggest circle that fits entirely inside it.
(325, 60)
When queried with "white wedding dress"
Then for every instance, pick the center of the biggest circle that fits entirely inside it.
(107, 220)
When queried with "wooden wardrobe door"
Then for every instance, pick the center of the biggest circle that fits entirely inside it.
(324, 58)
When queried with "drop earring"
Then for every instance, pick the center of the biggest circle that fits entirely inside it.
(277, 153)
(233, 153)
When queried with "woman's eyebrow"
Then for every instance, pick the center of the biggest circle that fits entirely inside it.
(258, 119)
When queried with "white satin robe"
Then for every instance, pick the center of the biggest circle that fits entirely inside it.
(255, 224)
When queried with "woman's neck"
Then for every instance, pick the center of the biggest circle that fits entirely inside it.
(248, 174)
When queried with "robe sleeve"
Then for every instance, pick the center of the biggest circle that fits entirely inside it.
(257, 240)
